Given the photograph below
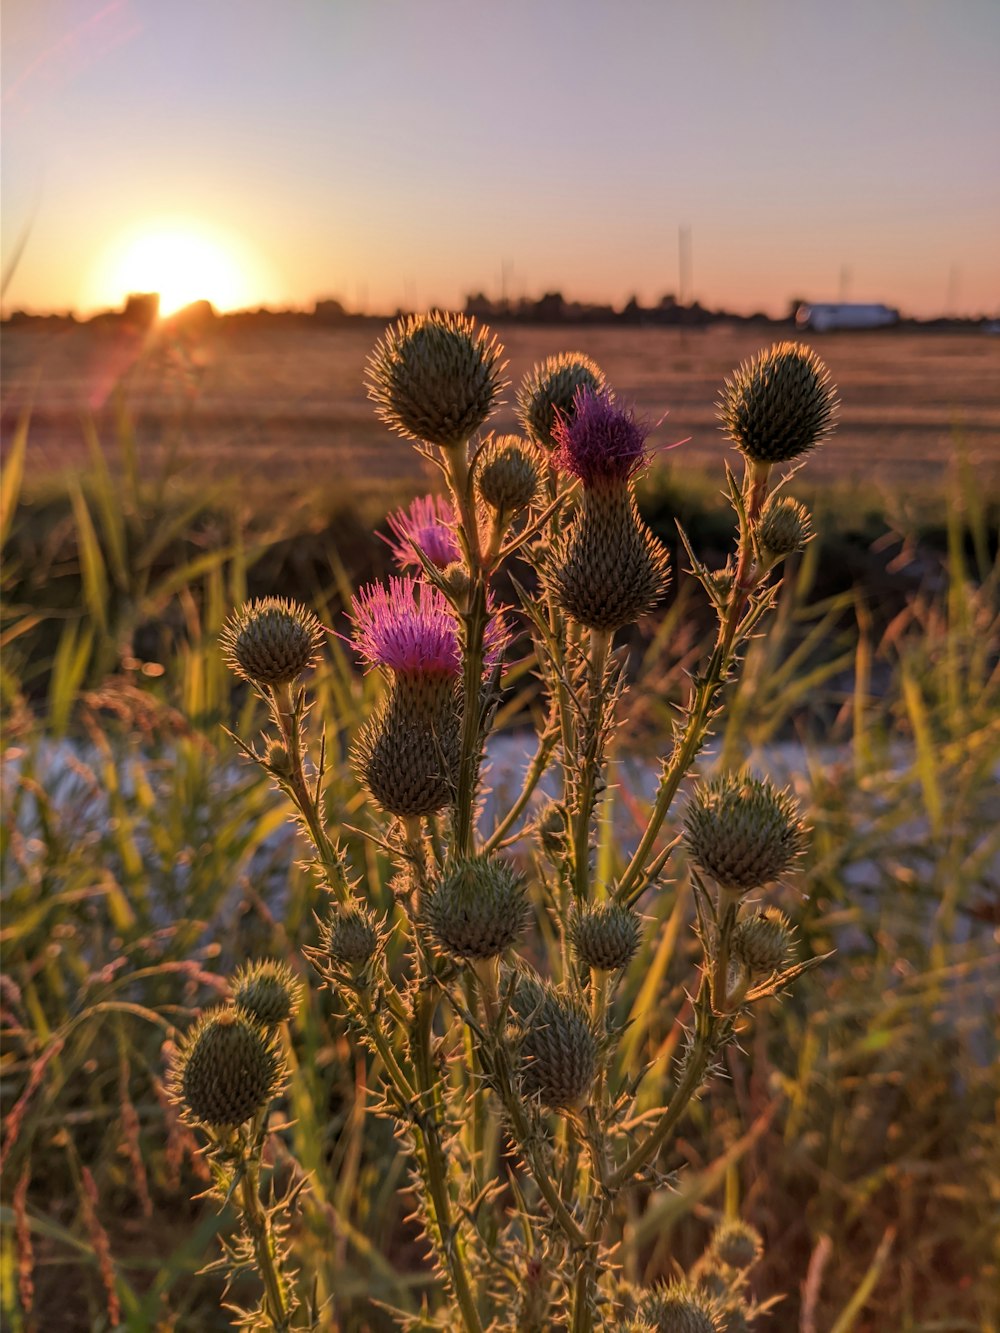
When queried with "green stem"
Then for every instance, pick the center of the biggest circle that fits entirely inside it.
(258, 1225)
(600, 643)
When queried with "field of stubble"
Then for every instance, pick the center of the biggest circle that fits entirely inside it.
(272, 404)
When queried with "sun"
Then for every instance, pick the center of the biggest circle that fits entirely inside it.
(183, 264)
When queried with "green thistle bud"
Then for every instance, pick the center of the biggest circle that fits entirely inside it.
(267, 991)
(558, 1046)
(277, 760)
(713, 1279)
(350, 936)
(435, 377)
(406, 755)
(680, 1308)
(227, 1069)
(605, 936)
(609, 569)
(784, 527)
(508, 473)
(761, 942)
(742, 831)
(778, 405)
(737, 1244)
(552, 830)
(271, 641)
(477, 909)
(455, 578)
(547, 392)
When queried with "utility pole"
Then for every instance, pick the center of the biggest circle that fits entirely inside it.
(683, 265)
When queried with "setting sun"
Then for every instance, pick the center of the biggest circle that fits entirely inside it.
(182, 264)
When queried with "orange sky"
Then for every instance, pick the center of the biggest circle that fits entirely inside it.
(389, 152)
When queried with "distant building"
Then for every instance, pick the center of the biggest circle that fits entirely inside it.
(844, 315)
(141, 309)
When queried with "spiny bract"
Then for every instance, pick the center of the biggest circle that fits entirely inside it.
(406, 754)
(436, 378)
(478, 907)
(680, 1308)
(267, 991)
(761, 942)
(350, 935)
(737, 1243)
(784, 527)
(271, 641)
(605, 936)
(742, 831)
(558, 1046)
(547, 392)
(507, 472)
(779, 404)
(227, 1069)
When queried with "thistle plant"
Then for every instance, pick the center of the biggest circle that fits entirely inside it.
(492, 1023)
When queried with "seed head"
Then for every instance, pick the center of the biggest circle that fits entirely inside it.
(737, 1244)
(680, 1308)
(350, 935)
(605, 936)
(742, 831)
(558, 1046)
(761, 942)
(609, 569)
(427, 527)
(784, 527)
(778, 405)
(435, 377)
(599, 442)
(271, 641)
(477, 909)
(508, 473)
(227, 1069)
(547, 393)
(410, 627)
(267, 991)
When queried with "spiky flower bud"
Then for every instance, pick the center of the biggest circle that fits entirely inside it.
(609, 569)
(737, 1243)
(277, 759)
(558, 1046)
(227, 1069)
(548, 391)
(605, 936)
(742, 831)
(477, 909)
(680, 1308)
(761, 942)
(552, 830)
(784, 527)
(350, 935)
(779, 404)
(267, 991)
(508, 473)
(456, 580)
(271, 641)
(435, 377)
(406, 755)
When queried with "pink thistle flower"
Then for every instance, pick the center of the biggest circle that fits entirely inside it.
(427, 526)
(600, 442)
(409, 626)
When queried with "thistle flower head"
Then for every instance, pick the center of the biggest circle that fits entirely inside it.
(600, 442)
(435, 377)
(350, 935)
(227, 1069)
(742, 831)
(271, 641)
(680, 1308)
(736, 1243)
(605, 936)
(547, 393)
(784, 527)
(558, 1045)
(761, 942)
(267, 991)
(426, 528)
(778, 405)
(478, 907)
(408, 626)
(508, 473)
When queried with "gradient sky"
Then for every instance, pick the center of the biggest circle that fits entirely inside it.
(403, 151)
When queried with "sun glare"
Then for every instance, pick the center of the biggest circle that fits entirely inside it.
(183, 265)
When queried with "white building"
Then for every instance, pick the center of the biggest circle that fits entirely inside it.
(844, 315)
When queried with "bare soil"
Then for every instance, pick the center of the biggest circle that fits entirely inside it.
(270, 404)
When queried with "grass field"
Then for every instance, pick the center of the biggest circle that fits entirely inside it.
(142, 861)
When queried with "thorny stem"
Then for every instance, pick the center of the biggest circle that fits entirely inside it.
(600, 643)
(536, 769)
(706, 687)
(258, 1225)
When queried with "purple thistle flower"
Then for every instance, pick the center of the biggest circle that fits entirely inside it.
(600, 442)
(428, 525)
(409, 626)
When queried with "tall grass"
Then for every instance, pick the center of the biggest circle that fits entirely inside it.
(141, 863)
